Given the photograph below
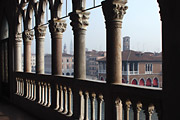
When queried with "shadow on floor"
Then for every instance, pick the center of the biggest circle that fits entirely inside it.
(10, 112)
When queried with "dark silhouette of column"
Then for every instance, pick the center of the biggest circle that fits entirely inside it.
(57, 28)
(79, 23)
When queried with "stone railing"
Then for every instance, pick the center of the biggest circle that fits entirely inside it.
(69, 98)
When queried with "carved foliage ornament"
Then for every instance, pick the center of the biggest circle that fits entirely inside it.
(57, 26)
(40, 31)
(18, 37)
(28, 35)
(79, 19)
(114, 11)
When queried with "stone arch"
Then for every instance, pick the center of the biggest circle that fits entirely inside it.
(134, 81)
(155, 82)
(68, 73)
(142, 82)
(149, 82)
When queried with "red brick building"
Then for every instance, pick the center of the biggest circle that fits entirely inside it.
(138, 68)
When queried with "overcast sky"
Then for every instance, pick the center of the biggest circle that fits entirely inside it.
(141, 23)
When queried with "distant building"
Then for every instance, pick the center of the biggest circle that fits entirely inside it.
(65, 49)
(33, 62)
(92, 63)
(126, 43)
(138, 68)
(67, 64)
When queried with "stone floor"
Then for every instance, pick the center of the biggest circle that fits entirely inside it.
(10, 112)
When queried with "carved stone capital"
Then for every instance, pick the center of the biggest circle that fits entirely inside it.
(114, 11)
(79, 19)
(57, 26)
(40, 31)
(18, 37)
(28, 35)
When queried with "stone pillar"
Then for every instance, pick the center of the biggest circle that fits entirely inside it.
(18, 52)
(79, 24)
(114, 12)
(57, 28)
(28, 37)
(40, 32)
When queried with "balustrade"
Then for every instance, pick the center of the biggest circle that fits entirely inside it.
(91, 97)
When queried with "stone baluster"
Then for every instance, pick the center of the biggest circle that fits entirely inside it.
(65, 101)
(87, 108)
(42, 97)
(27, 37)
(79, 22)
(17, 86)
(57, 97)
(40, 92)
(128, 106)
(34, 89)
(81, 117)
(49, 95)
(27, 89)
(61, 99)
(40, 32)
(118, 105)
(57, 28)
(70, 102)
(22, 87)
(46, 94)
(100, 101)
(114, 11)
(150, 111)
(139, 108)
(93, 106)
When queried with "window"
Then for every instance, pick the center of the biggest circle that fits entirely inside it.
(148, 68)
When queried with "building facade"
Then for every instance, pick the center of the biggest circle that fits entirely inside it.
(92, 63)
(67, 64)
(138, 68)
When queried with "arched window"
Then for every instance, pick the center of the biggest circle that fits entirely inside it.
(123, 81)
(155, 82)
(141, 82)
(134, 82)
(148, 82)
(68, 74)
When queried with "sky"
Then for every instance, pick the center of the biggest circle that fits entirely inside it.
(141, 23)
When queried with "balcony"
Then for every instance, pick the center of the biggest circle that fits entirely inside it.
(54, 97)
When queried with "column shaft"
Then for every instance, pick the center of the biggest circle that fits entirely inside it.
(18, 53)
(57, 28)
(79, 24)
(27, 56)
(114, 12)
(28, 37)
(40, 36)
(79, 54)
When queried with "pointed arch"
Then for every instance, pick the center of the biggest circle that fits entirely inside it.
(149, 82)
(134, 81)
(155, 82)
(142, 82)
